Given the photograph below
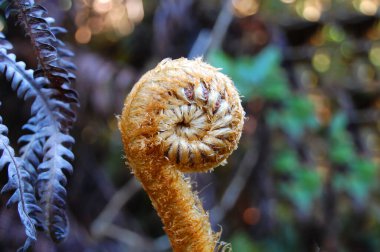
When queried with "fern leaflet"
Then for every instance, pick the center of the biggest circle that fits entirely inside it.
(19, 181)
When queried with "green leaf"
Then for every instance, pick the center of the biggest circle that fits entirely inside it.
(242, 242)
(305, 189)
(286, 161)
(309, 180)
(342, 152)
(275, 88)
(259, 76)
(338, 124)
(366, 170)
(341, 146)
(359, 181)
(295, 117)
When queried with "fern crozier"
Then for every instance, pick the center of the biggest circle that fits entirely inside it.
(182, 116)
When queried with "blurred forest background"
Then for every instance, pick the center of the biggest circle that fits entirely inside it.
(305, 176)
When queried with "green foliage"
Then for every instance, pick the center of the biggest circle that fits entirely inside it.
(259, 76)
(342, 149)
(303, 185)
(285, 239)
(241, 242)
(360, 175)
(286, 161)
(296, 116)
(359, 181)
(262, 77)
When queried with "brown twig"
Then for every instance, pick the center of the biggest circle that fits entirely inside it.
(237, 184)
(101, 225)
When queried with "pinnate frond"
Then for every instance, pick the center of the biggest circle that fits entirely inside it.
(19, 182)
(51, 52)
(46, 138)
(52, 181)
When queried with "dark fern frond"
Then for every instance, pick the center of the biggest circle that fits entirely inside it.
(64, 54)
(26, 87)
(32, 146)
(19, 181)
(47, 138)
(48, 106)
(52, 182)
(52, 114)
(50, 50)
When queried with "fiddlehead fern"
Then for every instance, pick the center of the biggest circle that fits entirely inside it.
(182, 116)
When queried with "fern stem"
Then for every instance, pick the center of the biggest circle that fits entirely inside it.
(20, 187)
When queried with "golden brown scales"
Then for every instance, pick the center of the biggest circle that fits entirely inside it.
(182, 116)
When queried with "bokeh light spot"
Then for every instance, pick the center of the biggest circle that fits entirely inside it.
(336, 34)
(65, 5)
(113, 18)
(288, 1)
(135, 10)
(321, 61)
(368, 7)
(244, 8)
(251, 215)
(374, 55)
(311, 13)
(102, 6)
(365, 72)
(83, 35)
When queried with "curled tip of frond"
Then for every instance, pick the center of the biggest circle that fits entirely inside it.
(182, 116)
(194, 121)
